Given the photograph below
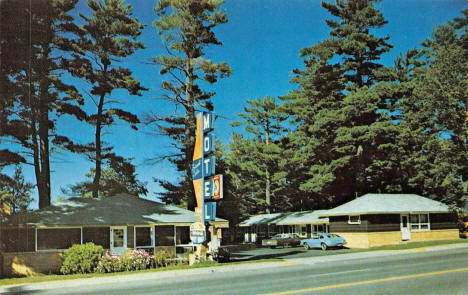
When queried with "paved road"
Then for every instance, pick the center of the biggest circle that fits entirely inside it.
(414, 272)
(284, 253)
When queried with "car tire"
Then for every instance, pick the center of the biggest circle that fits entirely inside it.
(306, 246)
(324, 246)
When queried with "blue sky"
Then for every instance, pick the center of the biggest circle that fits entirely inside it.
(261, 42)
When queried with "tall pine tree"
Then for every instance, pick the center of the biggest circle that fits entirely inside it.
(343, 129)
(263, 122)
(32, 89)
(432, 107)
(186, 27)
(97, 55)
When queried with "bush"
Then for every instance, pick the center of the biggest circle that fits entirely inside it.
(161, 259)
(132, 260)
(81, 258)
(222, 255)
(137, 260)
(110, 263)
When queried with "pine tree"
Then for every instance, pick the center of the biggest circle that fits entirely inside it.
(117, 177)
(235, 205)
(30, 74)
(97, 51)
(262, 121)
(186, 27)
(343, 130)
(433, 126)
(16, 191)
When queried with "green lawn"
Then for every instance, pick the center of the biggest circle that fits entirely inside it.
(414, 245)
(46, 278)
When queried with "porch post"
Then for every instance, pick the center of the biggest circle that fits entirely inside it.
(35, 239)
(175, 240)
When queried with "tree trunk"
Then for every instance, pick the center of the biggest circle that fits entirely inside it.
(190, 129)
(267, 178)
(44, 145)
(36, 160)
(97, 172)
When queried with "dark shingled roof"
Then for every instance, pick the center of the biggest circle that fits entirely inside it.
(122, 209)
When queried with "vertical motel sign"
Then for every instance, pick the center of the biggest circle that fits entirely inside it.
(208, 186)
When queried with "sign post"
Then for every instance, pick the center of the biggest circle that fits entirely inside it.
(207, 185)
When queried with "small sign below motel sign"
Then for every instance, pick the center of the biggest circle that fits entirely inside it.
(197, 233)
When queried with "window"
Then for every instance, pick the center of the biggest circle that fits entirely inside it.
(303, 230)
(142, 237)
(164, 235)
(183, 235)
(97, 235)
(419, 222)
(57, 238)
(318, 228)
(354, 219)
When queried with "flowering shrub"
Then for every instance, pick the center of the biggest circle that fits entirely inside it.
(137, 260)
(132, 260)
(110, 263)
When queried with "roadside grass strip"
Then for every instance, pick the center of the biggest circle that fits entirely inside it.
(40, 278)
(413, 245)
(370, 282)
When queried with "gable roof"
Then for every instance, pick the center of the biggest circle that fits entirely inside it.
(388, 203)
(121, 209)
(288, 218)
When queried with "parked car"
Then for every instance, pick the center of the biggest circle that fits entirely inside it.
(323, 241)
(278, 240)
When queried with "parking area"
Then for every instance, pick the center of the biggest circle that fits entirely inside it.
(288, 252)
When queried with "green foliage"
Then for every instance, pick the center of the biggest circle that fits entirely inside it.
(81, 258)
(186, 27)
(236, 204)
(115, 179)
(432, 124)
(257, 159)
(33, 93)
(97, 52)
(161, 258)
(16, 191)
(342, 133)
(132, 260)
(222, 255)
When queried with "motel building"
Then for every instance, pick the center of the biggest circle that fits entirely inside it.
(368, 221)
(386, 219)
(264, 226)
(33, 242)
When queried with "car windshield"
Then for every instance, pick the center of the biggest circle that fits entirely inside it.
(333, 236)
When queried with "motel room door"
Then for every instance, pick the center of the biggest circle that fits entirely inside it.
(405, 228)
(118, 239)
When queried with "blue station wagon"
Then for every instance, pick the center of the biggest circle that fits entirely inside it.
(323, 241)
